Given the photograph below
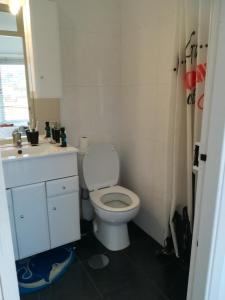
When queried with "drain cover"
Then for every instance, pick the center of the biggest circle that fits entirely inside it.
(98, 261)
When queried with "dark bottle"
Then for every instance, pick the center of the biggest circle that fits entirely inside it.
(63, 137)
(47, 130)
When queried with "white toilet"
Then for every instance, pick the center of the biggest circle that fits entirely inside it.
(114, 205)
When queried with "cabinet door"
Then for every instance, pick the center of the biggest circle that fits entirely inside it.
(46, 49)
(64, 219)
(12, 223)
(31, 219)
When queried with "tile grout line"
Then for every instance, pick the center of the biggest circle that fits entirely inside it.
(91, 280)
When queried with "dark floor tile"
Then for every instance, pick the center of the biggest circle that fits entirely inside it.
(86, 227)
(135, 232)
(144, 255)
(47, 293)
(170, 278)
(133, 273)
(122, 276)
(140, 292)
(75, 284)
(88, 246)
(179, 289)
(33, 296)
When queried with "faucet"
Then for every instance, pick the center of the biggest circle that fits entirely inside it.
(17, 140)
(19, 143)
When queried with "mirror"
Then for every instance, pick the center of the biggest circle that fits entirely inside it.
(8, 21)
(14, 100)
(14, 110)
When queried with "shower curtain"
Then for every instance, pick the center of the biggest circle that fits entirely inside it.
(187, 106)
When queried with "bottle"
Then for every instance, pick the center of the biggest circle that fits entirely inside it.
(63, 137)
(34, 137)
(47, 130)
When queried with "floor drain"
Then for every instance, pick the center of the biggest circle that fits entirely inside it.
(98, 261)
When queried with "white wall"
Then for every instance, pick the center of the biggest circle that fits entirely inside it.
(117, 64)
(90, 52)
(147, 31)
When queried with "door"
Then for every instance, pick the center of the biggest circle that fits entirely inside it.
(207, 265)
(31, 219)
(64, 220)
(12, 223)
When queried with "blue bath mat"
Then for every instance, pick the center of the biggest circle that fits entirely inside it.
(41, 270)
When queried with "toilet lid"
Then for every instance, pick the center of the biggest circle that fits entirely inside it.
(100, 166)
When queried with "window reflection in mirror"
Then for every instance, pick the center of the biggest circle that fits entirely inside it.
(8, 21)
(14, 110)
(14, 107)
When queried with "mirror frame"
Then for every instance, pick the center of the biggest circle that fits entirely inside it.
(20, 33)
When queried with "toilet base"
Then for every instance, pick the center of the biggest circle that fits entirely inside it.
(113, 236)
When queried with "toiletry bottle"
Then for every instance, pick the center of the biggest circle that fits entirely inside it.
(47, 130)
(63, 137)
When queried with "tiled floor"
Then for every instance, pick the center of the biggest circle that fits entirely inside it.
(135, 273)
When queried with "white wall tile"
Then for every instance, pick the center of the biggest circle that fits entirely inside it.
(117, 58)
(91, 53)
(139, 57)
(90, 111)
(90, 16)
(90, 58)
(148, 51)
(138, 15)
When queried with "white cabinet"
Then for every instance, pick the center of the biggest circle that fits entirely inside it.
(45, 49)
(12, 223)
(63, 210)
(44, 215)
(43, 200)
(63, 214)
(31, 219)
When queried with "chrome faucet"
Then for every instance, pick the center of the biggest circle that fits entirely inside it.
(17, 139)
(19, 143)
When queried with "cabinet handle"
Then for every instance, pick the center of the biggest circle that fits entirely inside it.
(54, 208)
(63, 187)
(21, 216)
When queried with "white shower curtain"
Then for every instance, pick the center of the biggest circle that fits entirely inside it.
(187, 103)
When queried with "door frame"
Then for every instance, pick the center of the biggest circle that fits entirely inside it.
(8, 278)
(208, 246)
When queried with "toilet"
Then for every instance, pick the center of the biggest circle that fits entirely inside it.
(114, 205)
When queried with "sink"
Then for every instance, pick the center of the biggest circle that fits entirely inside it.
(28, 151)
(37, 163)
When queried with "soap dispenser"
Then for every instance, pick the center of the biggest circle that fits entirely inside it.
(63, 137)
(47, 130)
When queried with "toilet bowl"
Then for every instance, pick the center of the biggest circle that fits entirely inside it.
(114, 205)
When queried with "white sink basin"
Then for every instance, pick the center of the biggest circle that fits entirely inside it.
(27, 151)
(37, 163)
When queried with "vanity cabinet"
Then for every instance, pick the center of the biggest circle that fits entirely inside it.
(43, 198)
(31, 219)
(44, 215)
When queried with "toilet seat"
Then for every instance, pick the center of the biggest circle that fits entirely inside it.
(124, 199)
